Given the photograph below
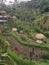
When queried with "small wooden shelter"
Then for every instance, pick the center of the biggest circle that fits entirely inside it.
(14, 29)
(21, 32)
(40, 36)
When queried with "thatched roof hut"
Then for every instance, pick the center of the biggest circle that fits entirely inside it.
(40, 36)
(14, 29)
(14, 17)
(3, 12)
(21, 32)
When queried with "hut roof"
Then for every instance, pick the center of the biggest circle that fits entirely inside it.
(2, 12)
(40, 36)
(14, 29)
(21, 32)
(14, 17)
(2, 21)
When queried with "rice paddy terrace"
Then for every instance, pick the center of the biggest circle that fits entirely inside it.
(17, 48)
(23, 45)
(10, 56)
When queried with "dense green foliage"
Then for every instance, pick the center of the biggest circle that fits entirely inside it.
(21, 61)
(31, 17)
(33, 14)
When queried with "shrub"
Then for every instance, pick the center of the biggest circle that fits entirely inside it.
(19, 60)
(47, 34)
(45, 56)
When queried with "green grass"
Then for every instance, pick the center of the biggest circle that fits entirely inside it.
(30, 44)
(4, 44)
(21, 61)
(3, 40)
(6, 60)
